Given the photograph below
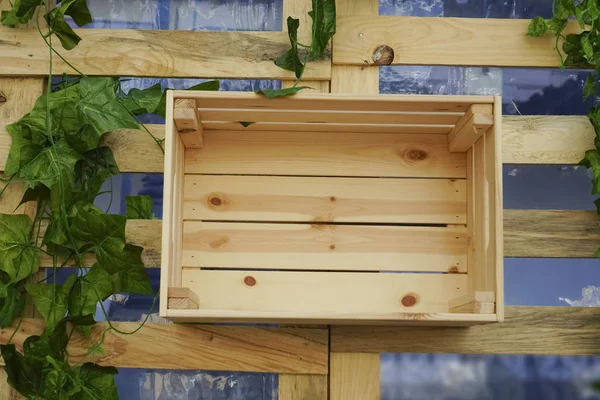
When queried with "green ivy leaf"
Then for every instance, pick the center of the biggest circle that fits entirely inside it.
(51, 300)
(139, 207)
(555, 25)
(92, 230)
(35, 350)
(59, 338)
(586, 44)
(590, 88)
(161, 109)
(597, 203)
(22, 376)
(127, 270)
(18, 258)
(95, 167)
(290, 60)
(246, 124)
(51, 164)
(273, 93)
(592, 160)
(594, 116)
(21, 12)
(11, 305)
(80, 13)
(88, 290)
(537, 27)
(593, 10)
(23, 149)
(37, 194)
(580, 17)
(143, 101)
(564, 9)
(323, 28)
(100, 105)
(99, 383)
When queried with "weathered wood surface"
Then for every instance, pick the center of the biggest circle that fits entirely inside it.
(302, 387)
(355, 376)
(526, 330)
(196, 347)
(442, 41)
(130, 52)
(525, 140)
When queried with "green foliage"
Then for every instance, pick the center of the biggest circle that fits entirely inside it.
(139, 207)
(323, 16)
(581, 50)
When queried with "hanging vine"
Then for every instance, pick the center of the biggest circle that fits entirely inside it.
(579, 50)
(57, 155)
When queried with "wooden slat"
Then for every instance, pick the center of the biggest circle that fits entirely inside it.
(311, 101)
(197, 347)
(302, 387)
(319, 127)
(355, 376)
(323, 295)
(321, 117)
(325, 154)
(262, 198)
(130, 52)
(443, 41)
(317, 246)
(526, 140)
(546, 139)
(551, 233)
(526, 330)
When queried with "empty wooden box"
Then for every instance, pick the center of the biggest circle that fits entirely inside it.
(332, 209)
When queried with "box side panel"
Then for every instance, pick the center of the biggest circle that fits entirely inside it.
(496, 176)
(172, 208)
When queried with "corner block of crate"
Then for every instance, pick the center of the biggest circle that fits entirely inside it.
(477, 303)
(181, 298)
(186, 121)
(476, 121)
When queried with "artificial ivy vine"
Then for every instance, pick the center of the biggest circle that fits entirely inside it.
(57, 155)
(581, 50)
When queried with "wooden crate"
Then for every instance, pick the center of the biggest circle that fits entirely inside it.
(332, 209)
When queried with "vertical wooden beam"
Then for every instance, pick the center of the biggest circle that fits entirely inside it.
(354, 376)
(299, 9)
(302, 387)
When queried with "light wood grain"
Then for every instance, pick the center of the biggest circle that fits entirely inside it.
(355, 376)
(551, 233)
(262, 198)
(473, 124)
(187, 123)
(318, 246)
(326, 117)
(444, 41)
(325, 154)
(546, 139)
(130, 52)
(302, 387)
(525, 140)
(199, 347)
(330, 127)
(526, 330)
(494, 178)
(335, 295)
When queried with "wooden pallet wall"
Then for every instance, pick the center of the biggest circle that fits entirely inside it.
(302, 356)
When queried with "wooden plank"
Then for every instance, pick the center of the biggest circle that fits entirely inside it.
(473, 124)
(130, 52)
(270, 198)
(551, 233)
(199, 347)
(477, 302)
(355, 376)
(319, 295)
(302, 387)
(311, 101)
(315, 127)
(546, 139)
(319, 246)
(442, 41)
(525, 140)
(494, 173)
(326, 116)
(185, 117)
(325, 154)
(526, 330)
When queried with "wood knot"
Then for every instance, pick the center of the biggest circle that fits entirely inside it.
(249, 281)
(409, 300)
(415, 155)
(332, 199)
(3, 98)
(215, 244)
(332, 247)
(217, 201)
(453, 270)
(383, 55)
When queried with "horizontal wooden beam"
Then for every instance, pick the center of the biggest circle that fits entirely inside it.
(526, 330)
(363, 40)
(525, 139)
(130, 52)
(199, 347)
